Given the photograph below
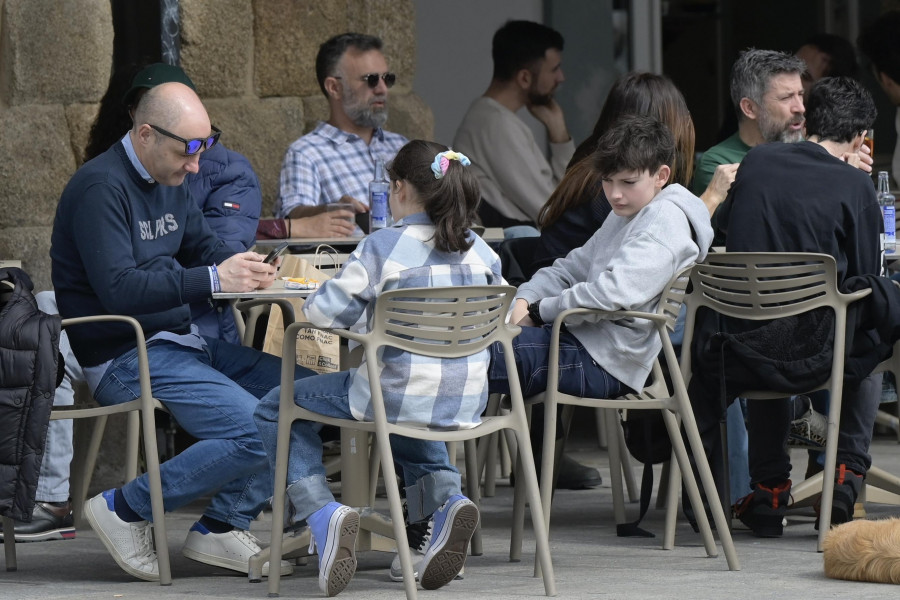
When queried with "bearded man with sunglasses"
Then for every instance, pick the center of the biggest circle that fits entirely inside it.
(129, 239)
(336, 161)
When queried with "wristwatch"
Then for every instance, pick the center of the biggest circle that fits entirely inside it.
(534, 313)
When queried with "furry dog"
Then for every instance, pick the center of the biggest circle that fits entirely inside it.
(864, 551)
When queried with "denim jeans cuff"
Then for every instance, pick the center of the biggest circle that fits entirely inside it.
(430, 492)
(306, 496)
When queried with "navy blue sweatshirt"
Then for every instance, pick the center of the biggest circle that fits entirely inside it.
(121, 245)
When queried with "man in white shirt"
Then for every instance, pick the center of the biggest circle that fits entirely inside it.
(515, 177)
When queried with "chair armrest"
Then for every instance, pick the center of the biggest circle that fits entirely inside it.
(141, 345)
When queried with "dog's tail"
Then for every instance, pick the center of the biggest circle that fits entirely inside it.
(864, 551)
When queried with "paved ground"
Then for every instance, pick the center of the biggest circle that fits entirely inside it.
(590, 561)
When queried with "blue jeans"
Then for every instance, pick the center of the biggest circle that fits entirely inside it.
(53, 483)
(579, 375)
(738, 463)
(425, 463)
(211, 393)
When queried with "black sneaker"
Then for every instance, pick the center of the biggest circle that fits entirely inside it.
(764, 508)
(847, 486)
(49, 521)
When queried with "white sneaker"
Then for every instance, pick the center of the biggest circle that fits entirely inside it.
(230, 550)
(129, 543)
(334, 528)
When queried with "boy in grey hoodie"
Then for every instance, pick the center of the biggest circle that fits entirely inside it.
(652, 234)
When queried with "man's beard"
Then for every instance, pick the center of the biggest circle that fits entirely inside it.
(362, 114)
(535, 99)
(779, 132)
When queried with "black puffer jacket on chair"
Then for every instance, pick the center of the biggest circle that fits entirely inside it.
(29, 367)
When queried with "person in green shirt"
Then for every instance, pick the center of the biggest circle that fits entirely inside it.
(767, 92)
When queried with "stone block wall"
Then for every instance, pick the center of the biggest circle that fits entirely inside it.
(251, 60)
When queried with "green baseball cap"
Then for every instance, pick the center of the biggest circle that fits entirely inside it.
(153, 75)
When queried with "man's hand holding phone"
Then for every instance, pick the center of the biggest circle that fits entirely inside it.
(247, 271)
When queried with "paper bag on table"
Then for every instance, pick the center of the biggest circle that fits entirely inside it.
(316, 349)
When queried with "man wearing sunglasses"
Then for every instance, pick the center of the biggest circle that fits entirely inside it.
(128, 238)
(336, 161)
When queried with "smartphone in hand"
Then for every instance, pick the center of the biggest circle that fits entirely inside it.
(278, 251)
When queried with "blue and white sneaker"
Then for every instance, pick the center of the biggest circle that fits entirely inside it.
(130, 544)
(334, 528)
(453, 526)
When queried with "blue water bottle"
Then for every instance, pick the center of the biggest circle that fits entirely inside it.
(379, 191)
(887, 201)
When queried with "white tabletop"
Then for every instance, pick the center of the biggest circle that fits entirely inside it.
(276, 291)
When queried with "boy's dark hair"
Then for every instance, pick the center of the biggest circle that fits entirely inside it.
(753, 71)
(331, 51)
(880, 42)
(838, 109)
(449, 202)
(634, 143)
(520, 45)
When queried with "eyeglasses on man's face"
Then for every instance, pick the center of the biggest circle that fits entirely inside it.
(371, 79)
(192, 147)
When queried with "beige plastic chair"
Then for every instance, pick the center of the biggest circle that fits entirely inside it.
(760, 286)
(675, 407)
(136, 409)
(442, 322)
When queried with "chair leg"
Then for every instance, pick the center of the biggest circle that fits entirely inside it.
(615, 467)
(9, 544)
(156, 495)
(601, 416)
(490, 464)
(282, 450)
(518, 515)
(664, 479)
(81, 481)
(374, 467)
(526, 474)
(627, 468)
(473, 490)
(706, 479)
(133, 429)
(396, 509)
(834, 412)
(672, 492)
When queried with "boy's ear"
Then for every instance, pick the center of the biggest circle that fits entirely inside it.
(662, 176)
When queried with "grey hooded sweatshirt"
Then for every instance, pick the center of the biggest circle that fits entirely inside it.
(625, 265)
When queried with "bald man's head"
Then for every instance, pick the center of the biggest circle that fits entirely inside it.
(167, 104)
(167, 118)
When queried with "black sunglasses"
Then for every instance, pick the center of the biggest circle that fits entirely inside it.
(371, 79)
(192, 147)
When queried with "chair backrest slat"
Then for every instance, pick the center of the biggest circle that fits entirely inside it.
(442, 321)
(764, 285)
(673, 296)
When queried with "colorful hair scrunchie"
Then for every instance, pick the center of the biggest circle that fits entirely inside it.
(442, 161)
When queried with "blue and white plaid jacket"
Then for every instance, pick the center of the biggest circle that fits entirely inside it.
(418, 390)
(328, 163)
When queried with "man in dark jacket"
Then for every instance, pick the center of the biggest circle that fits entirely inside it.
(804, 197)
